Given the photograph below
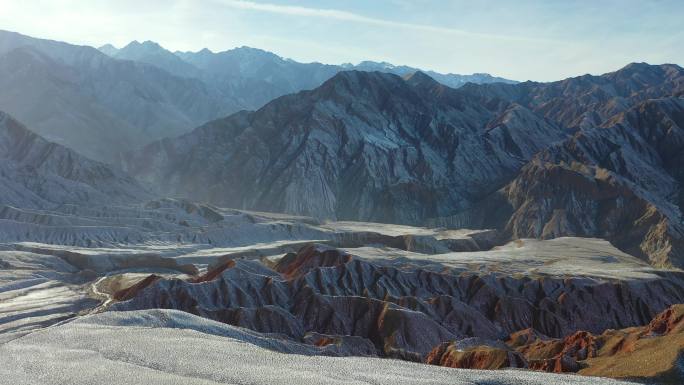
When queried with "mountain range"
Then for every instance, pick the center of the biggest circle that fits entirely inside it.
(83, 99)
(590, 156)
(103, 104)
(255, 76)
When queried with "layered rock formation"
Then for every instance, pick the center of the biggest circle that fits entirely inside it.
(404, 312)
(647, 353)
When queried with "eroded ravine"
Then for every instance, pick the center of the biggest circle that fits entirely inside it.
(405, 312)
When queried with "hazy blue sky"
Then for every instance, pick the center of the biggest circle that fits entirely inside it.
(538, 40)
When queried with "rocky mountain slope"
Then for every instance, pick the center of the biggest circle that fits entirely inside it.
(364, 145)
(35, 173)
(373, 146)
(621, 181)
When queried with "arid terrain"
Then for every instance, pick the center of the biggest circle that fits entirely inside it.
(289, 284)
(237, 217)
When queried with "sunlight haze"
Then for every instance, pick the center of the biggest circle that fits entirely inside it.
(536, 40)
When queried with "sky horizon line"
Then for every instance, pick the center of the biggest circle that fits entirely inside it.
(195, 50)
(522, 40)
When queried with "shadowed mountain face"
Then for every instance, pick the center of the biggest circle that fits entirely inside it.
(35, 173)
(369, 146)
(99, 106)
(374, 146)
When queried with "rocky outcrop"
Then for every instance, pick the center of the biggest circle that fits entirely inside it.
(669, 321)
(565, 354)
(621, 181)
(647, 353)
(347, 345)
(481, 357)
(405, 313)
(132, 291)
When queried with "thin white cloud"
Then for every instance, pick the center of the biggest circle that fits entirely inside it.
(341, 15)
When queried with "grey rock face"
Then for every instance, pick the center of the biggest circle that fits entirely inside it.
(621, 181)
